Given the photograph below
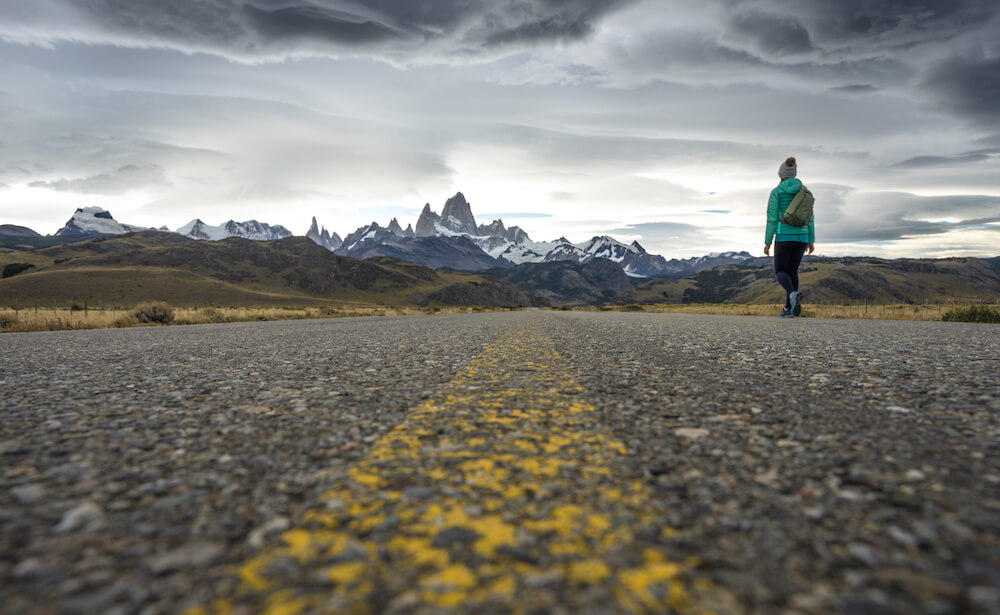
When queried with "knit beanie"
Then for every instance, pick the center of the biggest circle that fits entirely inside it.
(788, 169)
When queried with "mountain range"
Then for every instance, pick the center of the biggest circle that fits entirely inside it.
(449, 240)
(126, 269)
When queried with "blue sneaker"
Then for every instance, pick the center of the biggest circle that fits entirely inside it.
(785, 313)
(796, 300)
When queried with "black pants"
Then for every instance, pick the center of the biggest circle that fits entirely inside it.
(787, 258)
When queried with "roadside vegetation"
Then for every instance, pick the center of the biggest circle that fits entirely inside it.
(858, 310)
(973, 313)
(160, 314)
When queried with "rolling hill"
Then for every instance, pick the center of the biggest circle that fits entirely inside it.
(837, 280)
(123, 270)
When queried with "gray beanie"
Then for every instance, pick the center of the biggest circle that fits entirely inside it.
(788, 169)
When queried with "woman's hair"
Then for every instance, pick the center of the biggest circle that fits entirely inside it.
(790, 162)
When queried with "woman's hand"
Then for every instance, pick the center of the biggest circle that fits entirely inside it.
(767, 250)
(811, 248)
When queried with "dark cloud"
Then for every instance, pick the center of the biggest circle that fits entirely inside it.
(968, 87)
(119, 181)
(251, 30)
(918, 162)
(313, 22)
(768, 35)
(855, 89)
(865, 25)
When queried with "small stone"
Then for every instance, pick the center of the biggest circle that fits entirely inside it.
(404, 603)
(257, 536)
(189, 556)
(691, 433)
(86, 516)
(915, 475)
(32, 568)
(417, 492)
(27, 494)
(447, 537)
(898, 409)
(863, 553)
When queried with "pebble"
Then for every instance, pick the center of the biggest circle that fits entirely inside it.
(27, 494)
(85, 516)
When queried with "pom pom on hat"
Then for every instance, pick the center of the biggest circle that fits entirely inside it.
(788, 168)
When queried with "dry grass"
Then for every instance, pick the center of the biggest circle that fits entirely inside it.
(881, 311)
(62, 319)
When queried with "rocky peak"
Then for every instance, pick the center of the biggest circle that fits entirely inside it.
(458, 208)
(425, 224)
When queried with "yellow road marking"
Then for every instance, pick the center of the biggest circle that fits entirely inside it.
(527, 509)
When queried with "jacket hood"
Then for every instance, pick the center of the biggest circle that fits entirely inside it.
(790, 185)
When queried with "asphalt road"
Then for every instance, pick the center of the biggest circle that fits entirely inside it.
(535, 462)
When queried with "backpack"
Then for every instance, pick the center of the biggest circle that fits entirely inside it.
(800, 210)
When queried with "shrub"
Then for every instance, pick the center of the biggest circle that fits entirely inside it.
(75, 307)
(7, 321)
(15, 268)
(973, 313)
(155, 312)
(213, 315)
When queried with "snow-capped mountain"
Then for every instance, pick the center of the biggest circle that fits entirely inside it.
(323, 238)
(250, 229)
(96, 221)
(507, 246)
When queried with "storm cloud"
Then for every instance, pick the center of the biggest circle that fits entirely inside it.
(249, 31)
(661, 121)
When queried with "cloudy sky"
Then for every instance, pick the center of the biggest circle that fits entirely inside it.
(658, 120)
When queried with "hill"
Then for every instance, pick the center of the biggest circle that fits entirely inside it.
(564, 283)
(836, 280)
(126, 269)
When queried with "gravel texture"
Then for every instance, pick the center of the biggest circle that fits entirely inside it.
(791, 465)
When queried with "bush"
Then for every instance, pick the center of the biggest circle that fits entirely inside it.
(7, 321)
(973, 313)
(156, 312)
(15, 268)
(213, 315)
(75, 307)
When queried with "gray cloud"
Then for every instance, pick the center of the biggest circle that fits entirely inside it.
(847, 217)
(247, 30)
(918, 162)
(768, 35)
(855, 89)
(118, 181)
(968, 87)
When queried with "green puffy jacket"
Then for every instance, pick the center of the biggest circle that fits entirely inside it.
(780, 198)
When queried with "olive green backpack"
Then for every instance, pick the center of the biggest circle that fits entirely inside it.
(800, 210)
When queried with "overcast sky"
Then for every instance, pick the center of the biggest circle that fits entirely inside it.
(657, 120)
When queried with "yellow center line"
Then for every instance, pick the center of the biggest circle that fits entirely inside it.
(499, 494)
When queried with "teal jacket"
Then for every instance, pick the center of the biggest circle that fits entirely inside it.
(781, 196)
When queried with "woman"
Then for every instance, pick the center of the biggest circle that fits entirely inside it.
(791, 242)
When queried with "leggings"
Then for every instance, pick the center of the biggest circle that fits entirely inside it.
(787, 258)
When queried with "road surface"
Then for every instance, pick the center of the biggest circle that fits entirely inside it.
(528, 462)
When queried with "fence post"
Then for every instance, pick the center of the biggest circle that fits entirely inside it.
(53, 307)
(86, 311)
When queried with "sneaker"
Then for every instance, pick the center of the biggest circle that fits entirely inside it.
(785, 313)
(796, 299)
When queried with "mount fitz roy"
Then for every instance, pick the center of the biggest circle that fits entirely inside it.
(449, 240)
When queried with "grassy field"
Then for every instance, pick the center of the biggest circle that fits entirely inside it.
(62, 319)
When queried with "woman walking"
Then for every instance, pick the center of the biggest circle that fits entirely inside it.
(790, 242)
